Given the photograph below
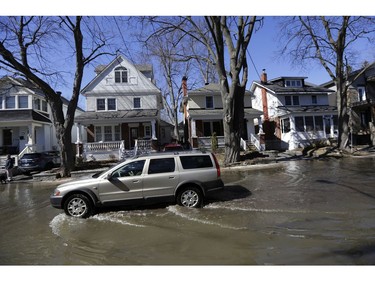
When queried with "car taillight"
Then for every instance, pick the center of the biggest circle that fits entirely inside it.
(217, 165)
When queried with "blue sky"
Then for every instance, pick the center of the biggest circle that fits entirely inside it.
(263, 47)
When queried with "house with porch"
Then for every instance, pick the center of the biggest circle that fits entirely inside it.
(295, 113)
(25, 119)
(361, 100)
(123, 108)
(203, 110)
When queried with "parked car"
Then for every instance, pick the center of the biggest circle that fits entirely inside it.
(39, 161)
(184, 178)
(173, 147)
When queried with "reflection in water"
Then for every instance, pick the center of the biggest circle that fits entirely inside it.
(300, 212)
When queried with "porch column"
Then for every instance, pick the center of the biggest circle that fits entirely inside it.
(153, 131)
(78, 128)
(193, 128)
(250, 128)
(260, 124)
(79, 147)
(293, 134)
(30, 137)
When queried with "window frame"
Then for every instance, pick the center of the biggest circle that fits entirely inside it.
(36, 104)
(25, 98)
(121, 74)
(293, 83)
(108, 104)
(10, 102)
(285, 125)
(291, 100)
(134, 103)
(105, 104)
(44, 106)
(210, 102)
(314, 99)
(102, 133)
(147, 131)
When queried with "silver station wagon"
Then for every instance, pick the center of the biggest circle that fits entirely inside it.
(184, 178)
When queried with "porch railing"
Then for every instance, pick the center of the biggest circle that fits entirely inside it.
(103, 146)
(103, 150)
(255, 141)
(205, 142)
(29, 148)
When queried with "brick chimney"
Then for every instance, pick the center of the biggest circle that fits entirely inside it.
(263, 80)
(263, 77)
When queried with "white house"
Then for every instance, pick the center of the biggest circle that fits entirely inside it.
(122, 105)
(295, 112)
(205, 112)
(25, 118)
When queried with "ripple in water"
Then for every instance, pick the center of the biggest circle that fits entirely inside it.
(194, 216)
(123, 218)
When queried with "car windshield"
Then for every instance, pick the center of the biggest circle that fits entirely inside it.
(31, 155)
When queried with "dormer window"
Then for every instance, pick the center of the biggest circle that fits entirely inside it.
(293, 83)
(210, 102)
(37, 104)
(44, 106)
(10, 102)
(121, 75)
(23, 102)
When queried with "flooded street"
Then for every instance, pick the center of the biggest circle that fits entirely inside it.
(319, 212)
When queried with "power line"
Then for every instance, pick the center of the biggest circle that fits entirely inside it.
(252, 61)
(123, 40)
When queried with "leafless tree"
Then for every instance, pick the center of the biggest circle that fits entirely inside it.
(329, 41)
(226, 39)
(26, 44)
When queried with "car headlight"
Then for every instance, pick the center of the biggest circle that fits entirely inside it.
(56, 192)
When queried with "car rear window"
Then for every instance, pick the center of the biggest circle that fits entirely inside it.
(196, 162)
(164, 165)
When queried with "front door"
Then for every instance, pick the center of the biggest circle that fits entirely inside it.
(7, 137)
(133, 136)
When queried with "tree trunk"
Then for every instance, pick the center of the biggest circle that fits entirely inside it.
(233, 107)
(66, 149)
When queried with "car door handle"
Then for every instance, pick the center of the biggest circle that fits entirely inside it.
(171, 177)
(135, 181)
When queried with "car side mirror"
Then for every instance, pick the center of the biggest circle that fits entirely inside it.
(109, 176)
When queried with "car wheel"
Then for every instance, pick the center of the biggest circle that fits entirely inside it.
(78, 206)
(191, 197)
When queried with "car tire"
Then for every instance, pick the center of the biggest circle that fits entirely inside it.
(191, 197)
(78, 206)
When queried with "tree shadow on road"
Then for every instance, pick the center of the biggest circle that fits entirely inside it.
(228, 193)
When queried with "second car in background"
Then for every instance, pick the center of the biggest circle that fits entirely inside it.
(39, 161)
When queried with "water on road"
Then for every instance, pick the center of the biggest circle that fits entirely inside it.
(319, 212)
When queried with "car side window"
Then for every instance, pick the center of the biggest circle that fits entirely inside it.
(131, 169)
(163, 165)
(196, 162)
